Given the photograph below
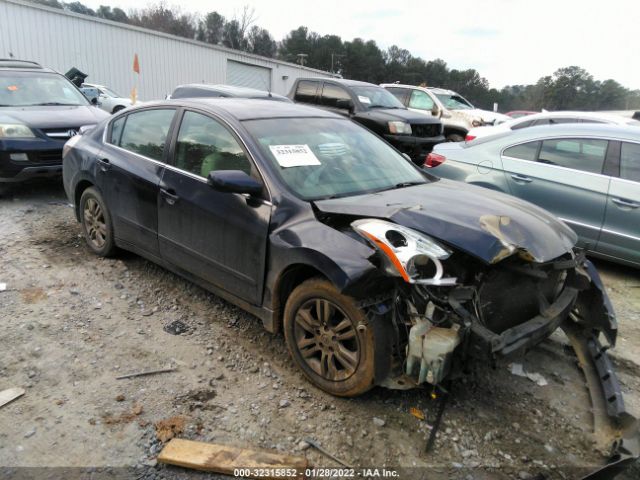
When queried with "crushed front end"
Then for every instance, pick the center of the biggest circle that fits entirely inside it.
(449, 308)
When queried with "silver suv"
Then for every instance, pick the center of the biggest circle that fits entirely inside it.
(457, 114)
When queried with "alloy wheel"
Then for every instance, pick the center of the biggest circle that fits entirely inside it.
(95, 223)
(326, 339)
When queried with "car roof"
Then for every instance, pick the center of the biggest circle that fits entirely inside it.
(435, 90)
(341, 81)
(608, 131)
(245, 108)
(22, 65)
(230, 89)
(568, 113)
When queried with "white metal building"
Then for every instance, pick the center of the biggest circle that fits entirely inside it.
(105, 50)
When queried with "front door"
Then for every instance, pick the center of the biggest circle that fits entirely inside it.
(219, 237)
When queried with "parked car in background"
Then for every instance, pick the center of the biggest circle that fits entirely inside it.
(375, 270)
(456, 113)
(549, 118)
(519, 113)
(204, 90)
(39, 111)
(588, 175)
(374, 107)
(108, 100)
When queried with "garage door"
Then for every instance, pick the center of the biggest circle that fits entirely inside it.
(245, 75)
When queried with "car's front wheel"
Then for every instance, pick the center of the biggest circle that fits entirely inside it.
(96, 223)
(329, 338)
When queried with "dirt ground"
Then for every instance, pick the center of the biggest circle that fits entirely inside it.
(71, 323)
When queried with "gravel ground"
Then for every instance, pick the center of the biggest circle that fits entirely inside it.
(72, 323)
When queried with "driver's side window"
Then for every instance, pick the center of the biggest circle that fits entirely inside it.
(420, 100)
(205, 145)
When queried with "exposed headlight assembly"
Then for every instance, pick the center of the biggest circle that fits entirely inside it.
(15, 130)
(401, 128)
(477, 122)
(409, 254)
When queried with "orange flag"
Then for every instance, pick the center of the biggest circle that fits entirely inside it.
(136, 64)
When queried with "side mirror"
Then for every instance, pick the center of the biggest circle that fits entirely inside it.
(233, 181)
(435, 111)
(85, 129)
(94, 101)
(345, 105)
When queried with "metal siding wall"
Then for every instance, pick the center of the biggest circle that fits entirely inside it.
(105, 51)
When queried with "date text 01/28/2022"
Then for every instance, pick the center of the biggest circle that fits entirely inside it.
(315, 473)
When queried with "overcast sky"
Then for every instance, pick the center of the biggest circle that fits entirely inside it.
(507, 41)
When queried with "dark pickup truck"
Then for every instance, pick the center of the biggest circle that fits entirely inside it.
(375, 108)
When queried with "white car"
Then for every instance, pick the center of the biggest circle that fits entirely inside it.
(108, 100)
(457, 114)
(549, 118)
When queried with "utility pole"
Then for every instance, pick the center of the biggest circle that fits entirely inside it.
(302, 57)
(337, 56)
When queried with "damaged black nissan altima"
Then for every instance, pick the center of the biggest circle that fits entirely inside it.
(377, 272)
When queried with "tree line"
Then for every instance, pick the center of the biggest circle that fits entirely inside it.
(568, 88)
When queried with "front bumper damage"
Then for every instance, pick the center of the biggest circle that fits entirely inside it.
(437, 350)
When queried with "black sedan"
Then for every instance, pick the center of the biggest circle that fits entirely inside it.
(378, 273)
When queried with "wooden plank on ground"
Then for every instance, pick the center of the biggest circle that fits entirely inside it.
(10, 394)
(225, 459)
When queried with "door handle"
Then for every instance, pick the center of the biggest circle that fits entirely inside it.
(625, 203)
(104, 164)
(169, 196)
(521, 178)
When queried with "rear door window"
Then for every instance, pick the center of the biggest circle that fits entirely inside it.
(420, 100)
(306, 91)
(583, 154)
(145, 132)
(116, 131)
(524, 151)
(630, 161)
(331, 94)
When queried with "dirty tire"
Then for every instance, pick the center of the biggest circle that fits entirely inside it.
(96, 223)
(338, 358)
(455, 137)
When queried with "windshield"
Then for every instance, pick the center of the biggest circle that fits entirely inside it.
(110, 93)
(326, 157)
(453, 101)
(24, 89)
(376, 97)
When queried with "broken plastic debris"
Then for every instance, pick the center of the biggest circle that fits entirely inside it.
(419, 414)
(518, 370)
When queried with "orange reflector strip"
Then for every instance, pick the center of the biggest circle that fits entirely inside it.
(391, 255)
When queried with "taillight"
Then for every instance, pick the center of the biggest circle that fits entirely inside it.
(433, 160)
(468, 138)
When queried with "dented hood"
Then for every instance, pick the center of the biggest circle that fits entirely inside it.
(484, 223)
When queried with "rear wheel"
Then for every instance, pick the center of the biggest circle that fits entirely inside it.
(329, 338)
(96, 223)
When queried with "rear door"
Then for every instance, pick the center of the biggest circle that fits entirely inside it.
(219, 237)
(306, 91)
(564, 176)
(401, 93)
(420, 101)
(130, 167)
(621, 232)
(331, 95)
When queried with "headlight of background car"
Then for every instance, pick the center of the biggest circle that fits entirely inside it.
(15, 130)
(408, 253)
(402, 128)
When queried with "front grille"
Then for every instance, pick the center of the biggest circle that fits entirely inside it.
(61, 133)
(426, 129)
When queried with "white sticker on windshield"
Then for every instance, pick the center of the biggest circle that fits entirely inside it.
(364, 99)
(294, 155)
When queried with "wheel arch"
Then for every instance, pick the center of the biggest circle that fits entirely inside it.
(80, 187)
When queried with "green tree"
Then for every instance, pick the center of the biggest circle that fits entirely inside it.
(116, 14)
(211, 28)
(260, 42)
(78, 7)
